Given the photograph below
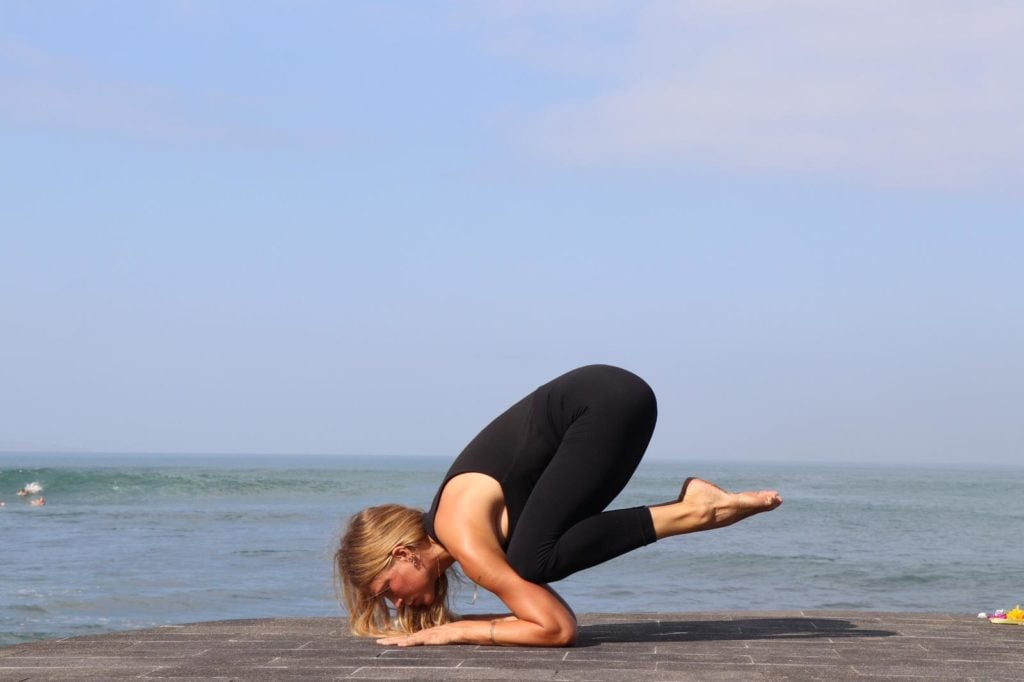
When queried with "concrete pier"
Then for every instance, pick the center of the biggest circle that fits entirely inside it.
(652, 646)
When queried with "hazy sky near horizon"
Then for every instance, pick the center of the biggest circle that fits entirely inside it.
(368, 227)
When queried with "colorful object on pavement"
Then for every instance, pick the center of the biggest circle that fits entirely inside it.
(1014, 617)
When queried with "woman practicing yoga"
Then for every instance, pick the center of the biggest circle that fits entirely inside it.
(522, 506)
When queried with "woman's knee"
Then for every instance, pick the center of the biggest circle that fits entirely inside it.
(629, 392)
(644, 400)
(636, 402)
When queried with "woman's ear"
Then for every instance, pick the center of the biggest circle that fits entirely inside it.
(401, 553)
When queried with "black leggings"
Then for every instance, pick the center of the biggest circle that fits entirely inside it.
(605, 416)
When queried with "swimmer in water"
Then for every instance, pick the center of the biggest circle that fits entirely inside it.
(38, 502)
(33, 488)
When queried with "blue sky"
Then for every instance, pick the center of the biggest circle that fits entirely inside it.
(367, 227)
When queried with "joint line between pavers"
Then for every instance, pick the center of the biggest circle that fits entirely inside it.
(415, 667)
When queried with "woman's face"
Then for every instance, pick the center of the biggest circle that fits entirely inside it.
(405, 583)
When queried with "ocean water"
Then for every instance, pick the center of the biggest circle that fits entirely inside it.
(128, 542)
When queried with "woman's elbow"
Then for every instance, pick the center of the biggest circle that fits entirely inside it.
(561, 634)
(567, 636)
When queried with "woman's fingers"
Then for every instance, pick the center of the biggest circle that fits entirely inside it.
(396, 641)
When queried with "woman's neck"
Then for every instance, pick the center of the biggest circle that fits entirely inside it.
(438, 556)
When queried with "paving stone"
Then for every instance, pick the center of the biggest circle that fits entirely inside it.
(771, 646)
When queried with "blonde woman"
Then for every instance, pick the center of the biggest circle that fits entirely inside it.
(521, 507)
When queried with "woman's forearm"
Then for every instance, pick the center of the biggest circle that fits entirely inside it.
(513, 631)
(507, 631)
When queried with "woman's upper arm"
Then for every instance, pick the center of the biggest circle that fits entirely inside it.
(467, 524)
(542, 617)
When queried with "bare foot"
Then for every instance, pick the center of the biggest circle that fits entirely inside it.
(705, 506)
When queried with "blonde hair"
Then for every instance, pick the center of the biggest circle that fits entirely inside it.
(366, 550)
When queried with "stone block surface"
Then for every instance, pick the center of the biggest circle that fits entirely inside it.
(792, 646)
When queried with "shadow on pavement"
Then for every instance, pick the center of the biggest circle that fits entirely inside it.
(719, 630)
